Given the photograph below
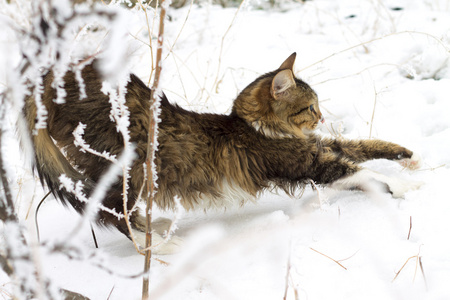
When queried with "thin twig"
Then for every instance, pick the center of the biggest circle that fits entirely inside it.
(373, 111)
(356, 73)
(150, 45)
(377, 39)
(8, 214)
(181, 30)
(433, 168)
(216, 81)
(7, 211)
(79, 142)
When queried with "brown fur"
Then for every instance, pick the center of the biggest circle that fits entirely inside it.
(205, 159)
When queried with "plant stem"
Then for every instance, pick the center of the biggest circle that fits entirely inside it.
(151, 155)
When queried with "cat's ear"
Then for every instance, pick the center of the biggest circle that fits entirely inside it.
(281, 82)
(288, 63)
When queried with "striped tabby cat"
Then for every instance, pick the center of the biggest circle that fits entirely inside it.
(207, 160)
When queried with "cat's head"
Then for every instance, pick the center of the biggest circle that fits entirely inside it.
(278, 104)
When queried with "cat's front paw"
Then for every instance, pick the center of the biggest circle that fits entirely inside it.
(413, 163)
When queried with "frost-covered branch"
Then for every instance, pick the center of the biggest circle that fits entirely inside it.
(50, 36)
(17, 261)
(84, 147)
(93, 202)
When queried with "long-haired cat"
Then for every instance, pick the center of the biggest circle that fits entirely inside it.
(206, 160)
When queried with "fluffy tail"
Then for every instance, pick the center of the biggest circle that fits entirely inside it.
(51, 164)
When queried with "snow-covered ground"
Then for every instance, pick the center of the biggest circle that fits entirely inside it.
(381, 70)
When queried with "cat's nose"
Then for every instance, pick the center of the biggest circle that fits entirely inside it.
(317, 113)
(320, 117)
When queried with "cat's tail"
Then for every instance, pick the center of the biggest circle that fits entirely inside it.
(61, 178)
(52, 166)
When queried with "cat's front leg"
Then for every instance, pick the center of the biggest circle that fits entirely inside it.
(341, 174)
(363, 150)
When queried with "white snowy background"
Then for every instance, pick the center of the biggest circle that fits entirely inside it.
(381, 70)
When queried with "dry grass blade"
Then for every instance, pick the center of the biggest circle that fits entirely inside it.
(410, 226)
(336, 261)
(110, 293)
(423, 273)
(36, 223)
(418, 261)
(398, 273)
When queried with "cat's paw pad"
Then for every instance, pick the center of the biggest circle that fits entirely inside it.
(413, 163)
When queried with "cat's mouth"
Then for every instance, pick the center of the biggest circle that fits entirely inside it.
(313, 125)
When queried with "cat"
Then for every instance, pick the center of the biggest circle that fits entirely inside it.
(205, 160)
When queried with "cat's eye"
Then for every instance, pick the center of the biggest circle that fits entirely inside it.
(311, 108)
(300, 111)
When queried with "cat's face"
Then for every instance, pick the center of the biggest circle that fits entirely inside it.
(279, 105)
(294, 102)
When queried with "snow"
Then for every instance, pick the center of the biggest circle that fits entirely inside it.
(379, 73)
